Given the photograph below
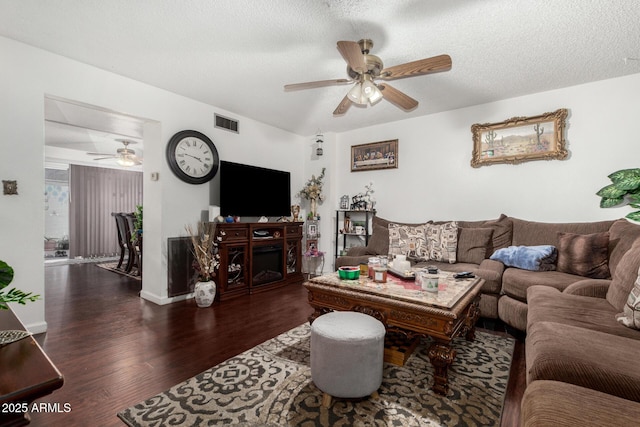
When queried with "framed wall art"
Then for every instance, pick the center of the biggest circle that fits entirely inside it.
(375, 155)
(520, 139)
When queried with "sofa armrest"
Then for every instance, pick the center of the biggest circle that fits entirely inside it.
(490, 270)
(357, 251)
(596, 288)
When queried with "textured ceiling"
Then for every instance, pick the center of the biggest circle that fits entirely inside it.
(238, 54)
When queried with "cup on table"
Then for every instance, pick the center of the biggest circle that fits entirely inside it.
(429, 282)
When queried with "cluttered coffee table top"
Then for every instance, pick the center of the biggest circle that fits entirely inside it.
(450, 289)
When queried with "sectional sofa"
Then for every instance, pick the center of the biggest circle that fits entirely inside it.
(580, 313)
(586, 251)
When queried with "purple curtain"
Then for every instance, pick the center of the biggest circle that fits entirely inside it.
(94, 193)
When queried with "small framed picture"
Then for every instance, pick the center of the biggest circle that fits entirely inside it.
(312, 229)
(375, 155)
(344, 202)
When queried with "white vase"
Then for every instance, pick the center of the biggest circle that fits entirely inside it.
(313, 207)
(205, 293)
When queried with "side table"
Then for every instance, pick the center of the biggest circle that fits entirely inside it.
(26, 373)
(311, 265)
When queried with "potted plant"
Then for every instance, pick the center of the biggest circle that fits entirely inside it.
(624, 190)
(206, 261)
(12, 295)
(137, 223)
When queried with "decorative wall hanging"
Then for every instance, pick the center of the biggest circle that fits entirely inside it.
(520, 139)
(10, 187)
(375, 155)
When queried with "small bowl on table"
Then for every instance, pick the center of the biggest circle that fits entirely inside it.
(349, 273)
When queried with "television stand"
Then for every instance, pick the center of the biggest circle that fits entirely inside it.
(257, 257)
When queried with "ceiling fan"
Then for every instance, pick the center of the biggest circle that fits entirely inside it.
(364, 69)
(124, 156)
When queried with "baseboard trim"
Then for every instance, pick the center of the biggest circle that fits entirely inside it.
(37, 328)
(156, 299)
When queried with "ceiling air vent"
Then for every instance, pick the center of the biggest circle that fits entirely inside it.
(226, 123)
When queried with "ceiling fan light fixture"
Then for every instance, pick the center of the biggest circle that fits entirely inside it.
(356, 94)
(126, 161)
(371, 92)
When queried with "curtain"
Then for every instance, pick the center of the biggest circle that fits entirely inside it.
(94, 194)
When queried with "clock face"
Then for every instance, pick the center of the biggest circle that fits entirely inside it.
(192, 157)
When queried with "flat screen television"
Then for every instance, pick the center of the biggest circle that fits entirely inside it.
(247, 190)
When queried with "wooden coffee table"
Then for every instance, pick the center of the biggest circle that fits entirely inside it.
(403, 307)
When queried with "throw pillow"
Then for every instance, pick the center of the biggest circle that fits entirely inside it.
(630, 317)
(408, 240)
(379, 241)
(442, 241)
(584, 254)
(473, 244)
(502, 232)
(534, 258)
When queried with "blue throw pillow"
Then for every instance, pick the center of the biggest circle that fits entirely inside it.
(534, 258)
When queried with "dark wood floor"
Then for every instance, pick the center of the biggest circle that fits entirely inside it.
(115, 349)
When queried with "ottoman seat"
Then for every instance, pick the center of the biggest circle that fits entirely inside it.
(347, 354)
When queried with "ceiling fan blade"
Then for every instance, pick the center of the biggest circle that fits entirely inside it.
(342, 107)
(105, 158)
(397, 98)
(435, 64)
(351, 53)
(319, 83)
(100, 154)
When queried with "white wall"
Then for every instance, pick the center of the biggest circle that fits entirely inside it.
(28, 74)
(434, 179)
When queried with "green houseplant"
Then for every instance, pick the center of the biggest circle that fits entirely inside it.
(137, 223)
(624, 190)
(12, 295)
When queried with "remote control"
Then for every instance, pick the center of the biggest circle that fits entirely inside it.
(464, 275)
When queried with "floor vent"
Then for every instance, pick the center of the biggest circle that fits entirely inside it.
(226, 123)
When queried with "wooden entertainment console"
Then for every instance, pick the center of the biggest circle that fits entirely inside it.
(258, 256)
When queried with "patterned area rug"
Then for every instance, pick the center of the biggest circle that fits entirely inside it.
(111, 266)
(270, 385)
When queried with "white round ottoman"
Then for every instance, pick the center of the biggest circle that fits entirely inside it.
(347, 354)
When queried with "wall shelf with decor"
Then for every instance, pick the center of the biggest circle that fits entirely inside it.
(353, 228)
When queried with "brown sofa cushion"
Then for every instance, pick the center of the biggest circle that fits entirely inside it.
(547, 304)
(583, 357)
(502, 233)
(515, 281)
(584, 254)
(622, 235)
(379, 241)
(529, 233)
(558, 404)
(473, 244)
(624, 277)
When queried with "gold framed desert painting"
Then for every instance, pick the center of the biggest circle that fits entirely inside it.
(520, 139)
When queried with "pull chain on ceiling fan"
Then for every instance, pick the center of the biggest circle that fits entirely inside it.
(364, 68)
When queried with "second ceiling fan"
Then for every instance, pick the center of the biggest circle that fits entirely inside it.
(364, 69)
(124, 156)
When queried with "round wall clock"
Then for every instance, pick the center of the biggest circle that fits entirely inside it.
(192, 157)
